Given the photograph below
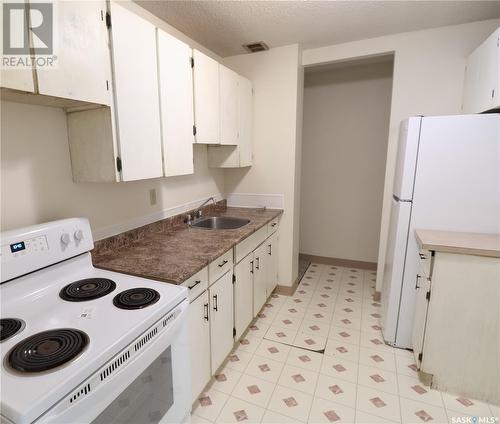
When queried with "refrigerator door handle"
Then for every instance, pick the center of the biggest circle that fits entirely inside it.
(397, 199)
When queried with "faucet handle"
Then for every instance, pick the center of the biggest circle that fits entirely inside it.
(199, 213)
(188, 219)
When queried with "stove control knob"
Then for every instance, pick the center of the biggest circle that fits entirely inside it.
(65, 239)
(78, 235)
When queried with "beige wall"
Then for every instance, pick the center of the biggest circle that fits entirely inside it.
(428, 79)
(37, 185)
(346, 122)
(277, 96)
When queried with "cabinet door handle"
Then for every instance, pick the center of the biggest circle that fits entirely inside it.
(224, 262)
(251, 267)
(194, 285)
(257, 265)
(273, 224)
(416, 282)
(422, 256)
(205, 307)
(270, 249)
(216, 305)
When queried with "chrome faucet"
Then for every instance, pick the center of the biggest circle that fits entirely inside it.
(197, 212)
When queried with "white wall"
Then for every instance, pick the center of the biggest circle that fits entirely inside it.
(37, 183)
(428, 80)
(277, 87)
(346, 123)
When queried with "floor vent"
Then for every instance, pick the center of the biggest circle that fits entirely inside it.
(258, 46)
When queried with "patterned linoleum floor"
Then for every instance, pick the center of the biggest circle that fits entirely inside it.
(319, 357)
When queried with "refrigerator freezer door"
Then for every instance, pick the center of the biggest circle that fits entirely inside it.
(409, 133)
(394, 268)
(457, 184)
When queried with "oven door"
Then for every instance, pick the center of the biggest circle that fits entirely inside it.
(155, 387)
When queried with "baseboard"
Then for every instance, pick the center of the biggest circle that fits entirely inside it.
(372, 266)
(113, 230)
(288, 290)
(256, 200)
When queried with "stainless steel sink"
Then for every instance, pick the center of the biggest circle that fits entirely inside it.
(220, 223)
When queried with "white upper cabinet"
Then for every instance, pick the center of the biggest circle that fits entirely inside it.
(206, 98)
(136, 94)
(176, 104)
(83, 68)
(227, 156)
(228, 84)
(482, 77)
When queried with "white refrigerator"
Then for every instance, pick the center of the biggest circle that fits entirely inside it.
(447, 178)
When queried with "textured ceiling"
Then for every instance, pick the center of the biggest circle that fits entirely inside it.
(223, 26)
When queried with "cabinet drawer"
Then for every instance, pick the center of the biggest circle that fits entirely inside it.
(249, 244)
(273, 226)
(425, 263)
(197, 284)
(220, 266)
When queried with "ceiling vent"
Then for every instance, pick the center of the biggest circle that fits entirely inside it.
(258, 46)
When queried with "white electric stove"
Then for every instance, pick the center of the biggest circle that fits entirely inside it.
(82, 345)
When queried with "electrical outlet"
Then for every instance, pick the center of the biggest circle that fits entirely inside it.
(152, 196)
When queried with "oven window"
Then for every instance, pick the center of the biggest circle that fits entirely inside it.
(147, 399)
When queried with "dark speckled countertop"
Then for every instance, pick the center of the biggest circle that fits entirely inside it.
(171, 251)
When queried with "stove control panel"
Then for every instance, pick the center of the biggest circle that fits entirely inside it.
(32, 248)
(35, 244)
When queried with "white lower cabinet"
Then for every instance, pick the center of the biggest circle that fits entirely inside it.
(221, 319)
(456, 333)
(199, 329)
(272, 263)
(260, 277)
(243, 294)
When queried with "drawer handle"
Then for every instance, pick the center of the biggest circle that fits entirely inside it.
(257, 265)
(194, 285)
(251, 267)
(422, 256)
(273, 224)
(216, 304)
(416, 282)
(222, 264)
(270, 249)
(205, 306)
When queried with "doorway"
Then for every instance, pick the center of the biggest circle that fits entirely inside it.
(345, 131)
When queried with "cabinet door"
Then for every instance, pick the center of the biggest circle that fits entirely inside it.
(199, 333)
(229, 102)
(136, 94)
(243, 294)
(83, 68)
(176, 104)
(421, 304)
(221, 321)
(272, 267)
(245, 121)
(17, 78)
(482, 79)
(206, 98)
(260, 278)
